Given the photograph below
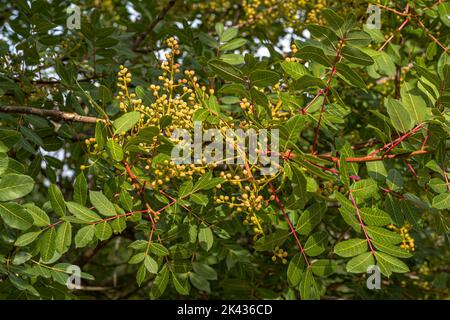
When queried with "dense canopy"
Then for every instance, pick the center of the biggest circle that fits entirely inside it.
(353, 98)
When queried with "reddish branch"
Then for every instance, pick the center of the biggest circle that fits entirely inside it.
(405, 22)
(325, 94)
(413, 18)
(376, 158)
(361, 222)
(293, 231)
(397, 141)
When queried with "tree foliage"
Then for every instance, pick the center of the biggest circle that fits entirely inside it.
(87, 178)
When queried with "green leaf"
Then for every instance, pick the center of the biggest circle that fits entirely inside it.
(360, 263)
(400, 117)
(365, 189)
(27, 238)
(141, 274)
(226, 71)
(323, 267)
(356, 56)
(264, 78)
(160, 283)
(350, 76)
(442, 201)
(150, 264)
(63, 237)
(118, 225)
(351, 247)
(84, 236)
(15, 216)
(40, 218)
(219, 28)
(199, 198)
(294, 69)
(204, 271)
(105, 94)
(424, 72)
(290, 132)
(181, 284)
(165, 121)
(159, 249)
(310, 218)
(375, 216)
(347, 211)
(137, 258)
(358, 38)
(80, 189)
(389, 264)
(82, 213)
(21, 257)
(229, 34)
(444, 13)
(145, 135)
(3, 162)
(316, 243)
(308, 287)
(414, 103)
(47, 244)
(205, 238)
(391, 250)
(102, 203)
(100, 134)
(394, 180)
(295, 270)
(126, 122)
(382, 235)
(206, 182)
(8, 138)
(14, 186)
(114, 150)
(233, 44)
(57, 200)
(199, 282)
(103, 231)
(299, 188)
(438, 185)
(270, 241)
(232, 58)
(335, 21)
(126, 200)
(315, 54)
(324, 34)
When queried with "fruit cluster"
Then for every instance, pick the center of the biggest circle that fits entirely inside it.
(408, 241)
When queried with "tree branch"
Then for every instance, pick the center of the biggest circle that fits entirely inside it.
(377, 158)
(53, 114)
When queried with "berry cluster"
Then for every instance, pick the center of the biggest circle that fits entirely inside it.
(408, 241)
